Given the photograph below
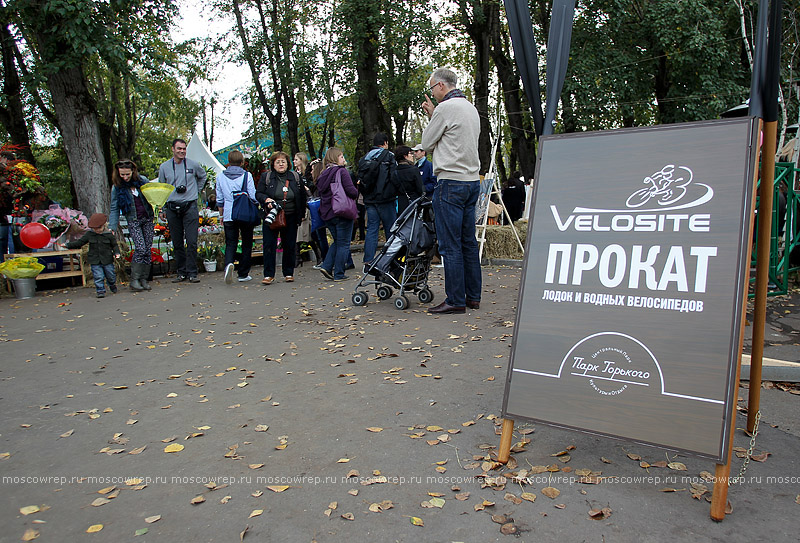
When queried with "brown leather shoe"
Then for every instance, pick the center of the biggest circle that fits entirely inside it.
(267, 280)
(445, 309)
(472, 304)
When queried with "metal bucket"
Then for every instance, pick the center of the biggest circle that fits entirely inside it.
(25, 288)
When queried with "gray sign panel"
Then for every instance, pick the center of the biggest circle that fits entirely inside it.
(629, 314)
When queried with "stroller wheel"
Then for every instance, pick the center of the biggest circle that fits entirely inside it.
(425, 296)
(384, 292)
(401, 302)
(359, 298)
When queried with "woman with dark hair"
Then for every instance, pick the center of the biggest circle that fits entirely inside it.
(407, 178)
(340, 227)
(283, 187)
(127, 199)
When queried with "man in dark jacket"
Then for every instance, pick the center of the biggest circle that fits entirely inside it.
(375, 175)
(425, 169)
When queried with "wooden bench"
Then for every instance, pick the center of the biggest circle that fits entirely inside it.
(72, 258)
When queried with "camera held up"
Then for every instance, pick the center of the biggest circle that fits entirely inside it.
(274, 209)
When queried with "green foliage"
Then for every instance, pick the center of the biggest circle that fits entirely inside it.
(54, 173)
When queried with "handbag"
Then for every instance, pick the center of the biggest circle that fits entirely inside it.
(280, 218)
(244, 209)
(313, 209)
(342, 205)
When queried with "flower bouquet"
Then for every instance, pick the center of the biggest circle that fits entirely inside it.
(56, 225)
(22, 267)
(21, 187)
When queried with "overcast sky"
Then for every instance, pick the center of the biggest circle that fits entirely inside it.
(197, 22)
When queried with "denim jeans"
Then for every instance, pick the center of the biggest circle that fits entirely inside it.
(232, 231)
(101, 272)
(377, 214)
(454, 208)
(288, 241)
(184, 226)
(341, 230)
(320, 236)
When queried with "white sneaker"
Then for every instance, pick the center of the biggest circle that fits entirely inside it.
(229, 274)
(245, 279)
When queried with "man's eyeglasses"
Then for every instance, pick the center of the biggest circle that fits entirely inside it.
(430, 89)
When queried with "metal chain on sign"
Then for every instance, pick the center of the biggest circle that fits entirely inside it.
(740, 477)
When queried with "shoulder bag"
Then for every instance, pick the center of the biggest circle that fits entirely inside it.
(280, 218)
(244, 209)
(343, 206)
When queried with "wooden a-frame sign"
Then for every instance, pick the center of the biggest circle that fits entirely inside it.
(631, 310)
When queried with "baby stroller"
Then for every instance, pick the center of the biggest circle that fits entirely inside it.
(405, 260)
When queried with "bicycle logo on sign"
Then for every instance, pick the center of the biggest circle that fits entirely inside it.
(665, 186)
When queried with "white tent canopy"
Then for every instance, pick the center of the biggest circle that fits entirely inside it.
(197, 151)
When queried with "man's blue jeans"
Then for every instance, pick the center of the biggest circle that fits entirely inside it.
(102, 272)
(454, 209)
(377, 214)
(338, 253)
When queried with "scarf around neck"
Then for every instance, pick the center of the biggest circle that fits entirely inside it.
(455, 93)
(124, 196)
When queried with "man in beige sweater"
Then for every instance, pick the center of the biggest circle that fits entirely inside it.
(452, 135)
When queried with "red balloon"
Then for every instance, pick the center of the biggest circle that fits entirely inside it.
(35, 235)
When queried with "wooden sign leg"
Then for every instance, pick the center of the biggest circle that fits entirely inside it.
(719, 498)
(505, 441)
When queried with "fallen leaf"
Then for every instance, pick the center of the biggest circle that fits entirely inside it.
(278, 488)
(342, 460)
(416, 521)
(262, 428)
(138, 450)
(94, 528)
(68, 433)
(27, 510)
(257, 493)
(508, 529)
(760, 457)
(528, 496)
(375, 429)
(678, 466)
(600, 514)
(243, 532)
(151, 520)
(175, 447)
(106, 490)
(100, 501)
(197, 500)
(141, 531)
(348, 516)
(255, 513)
(551, 492)
(30, 534)
(255, 466)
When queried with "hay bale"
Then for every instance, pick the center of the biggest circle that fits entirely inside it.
(501, 243)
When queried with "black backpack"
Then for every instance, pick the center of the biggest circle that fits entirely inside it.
(369, 171)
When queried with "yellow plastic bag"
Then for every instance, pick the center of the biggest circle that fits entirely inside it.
(23, 267)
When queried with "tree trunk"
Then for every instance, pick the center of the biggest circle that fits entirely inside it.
(12, 117)
(80, 132)
(523, 140)
(477, 27)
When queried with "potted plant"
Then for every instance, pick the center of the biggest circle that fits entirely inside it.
(209, 252)
(22, 271)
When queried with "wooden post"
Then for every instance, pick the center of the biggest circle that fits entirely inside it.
(722, 473)
(770, 131)
(505, 441)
